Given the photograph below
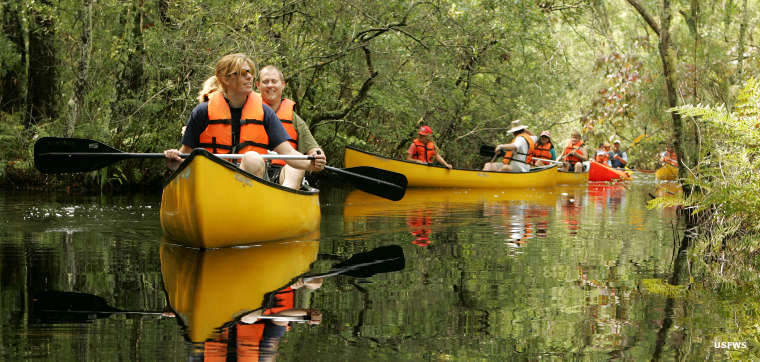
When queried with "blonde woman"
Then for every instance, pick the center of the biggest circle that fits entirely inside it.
(231, 118)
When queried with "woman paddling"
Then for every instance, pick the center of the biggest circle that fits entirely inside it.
(234, 119)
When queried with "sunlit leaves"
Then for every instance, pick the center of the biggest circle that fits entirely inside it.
(615, 103)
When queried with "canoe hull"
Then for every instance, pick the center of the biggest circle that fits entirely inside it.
(666, 173)
(419, 175)
(600, 172)
(571, 178)
(210, 203)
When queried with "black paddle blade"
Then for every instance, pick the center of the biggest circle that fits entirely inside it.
(384, 259)
(378, 173)
(486, 150)
(52, 155)
(55, 306)
(388, 184)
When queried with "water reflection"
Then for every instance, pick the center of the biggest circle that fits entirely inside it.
(238, 303)
(207, 289)
(54, 306)
(514, 216)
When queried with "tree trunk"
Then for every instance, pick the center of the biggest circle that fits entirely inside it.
(12, 75)
(740, 52)
(77, 104)
(668, 72)
(41, 68)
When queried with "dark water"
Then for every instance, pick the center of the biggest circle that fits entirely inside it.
(488, 275)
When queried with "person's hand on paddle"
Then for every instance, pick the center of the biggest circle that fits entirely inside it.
(319, 161)
(172, 158)
(312, 284)
(315, 317)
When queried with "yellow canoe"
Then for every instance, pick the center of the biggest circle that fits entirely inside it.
(666, 173)
(211, 203)
(571, 178)
(208, 288)
(419, 175)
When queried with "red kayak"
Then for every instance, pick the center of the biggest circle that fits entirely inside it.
(600, 172)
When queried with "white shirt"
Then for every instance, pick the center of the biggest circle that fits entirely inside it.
(518, 157)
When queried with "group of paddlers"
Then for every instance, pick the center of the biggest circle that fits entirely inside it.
(528, 151)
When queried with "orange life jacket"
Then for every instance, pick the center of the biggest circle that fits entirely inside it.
(531, 147)
(670, 158)
(573, 146)
(423, 152)
(542, 151)
(248, 336)
(285, 114)
(602, 157)
(217, 137)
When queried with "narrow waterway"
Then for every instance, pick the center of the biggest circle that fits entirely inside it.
(486, 275)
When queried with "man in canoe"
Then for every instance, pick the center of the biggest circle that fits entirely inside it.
(271, 84)
(618, 157)
(515, 153)
(423, 149)
(544, 150)
(574, 154)
(231, 118)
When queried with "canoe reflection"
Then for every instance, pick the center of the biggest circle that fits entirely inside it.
(230, 326)
(208, 289)
(607, 197)
(517, 215)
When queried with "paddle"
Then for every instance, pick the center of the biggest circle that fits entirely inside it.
(383, 183)
(68, 155)
(363, 265)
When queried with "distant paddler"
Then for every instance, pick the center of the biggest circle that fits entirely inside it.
(423, 150)
(234, 119)
(574, 154)
(543, 151)
(669, 161)
(515, 153)
(618, 157)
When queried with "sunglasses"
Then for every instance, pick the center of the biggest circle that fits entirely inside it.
(243, 72)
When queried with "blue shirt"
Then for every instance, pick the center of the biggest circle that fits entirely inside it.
(198, 122)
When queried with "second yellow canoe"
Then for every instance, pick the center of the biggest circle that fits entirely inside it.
(419, 175)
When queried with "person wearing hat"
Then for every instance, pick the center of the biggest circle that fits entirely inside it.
(423, 149)
(603, 154)
(618, 158)
(544, 150)
(515, 153)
